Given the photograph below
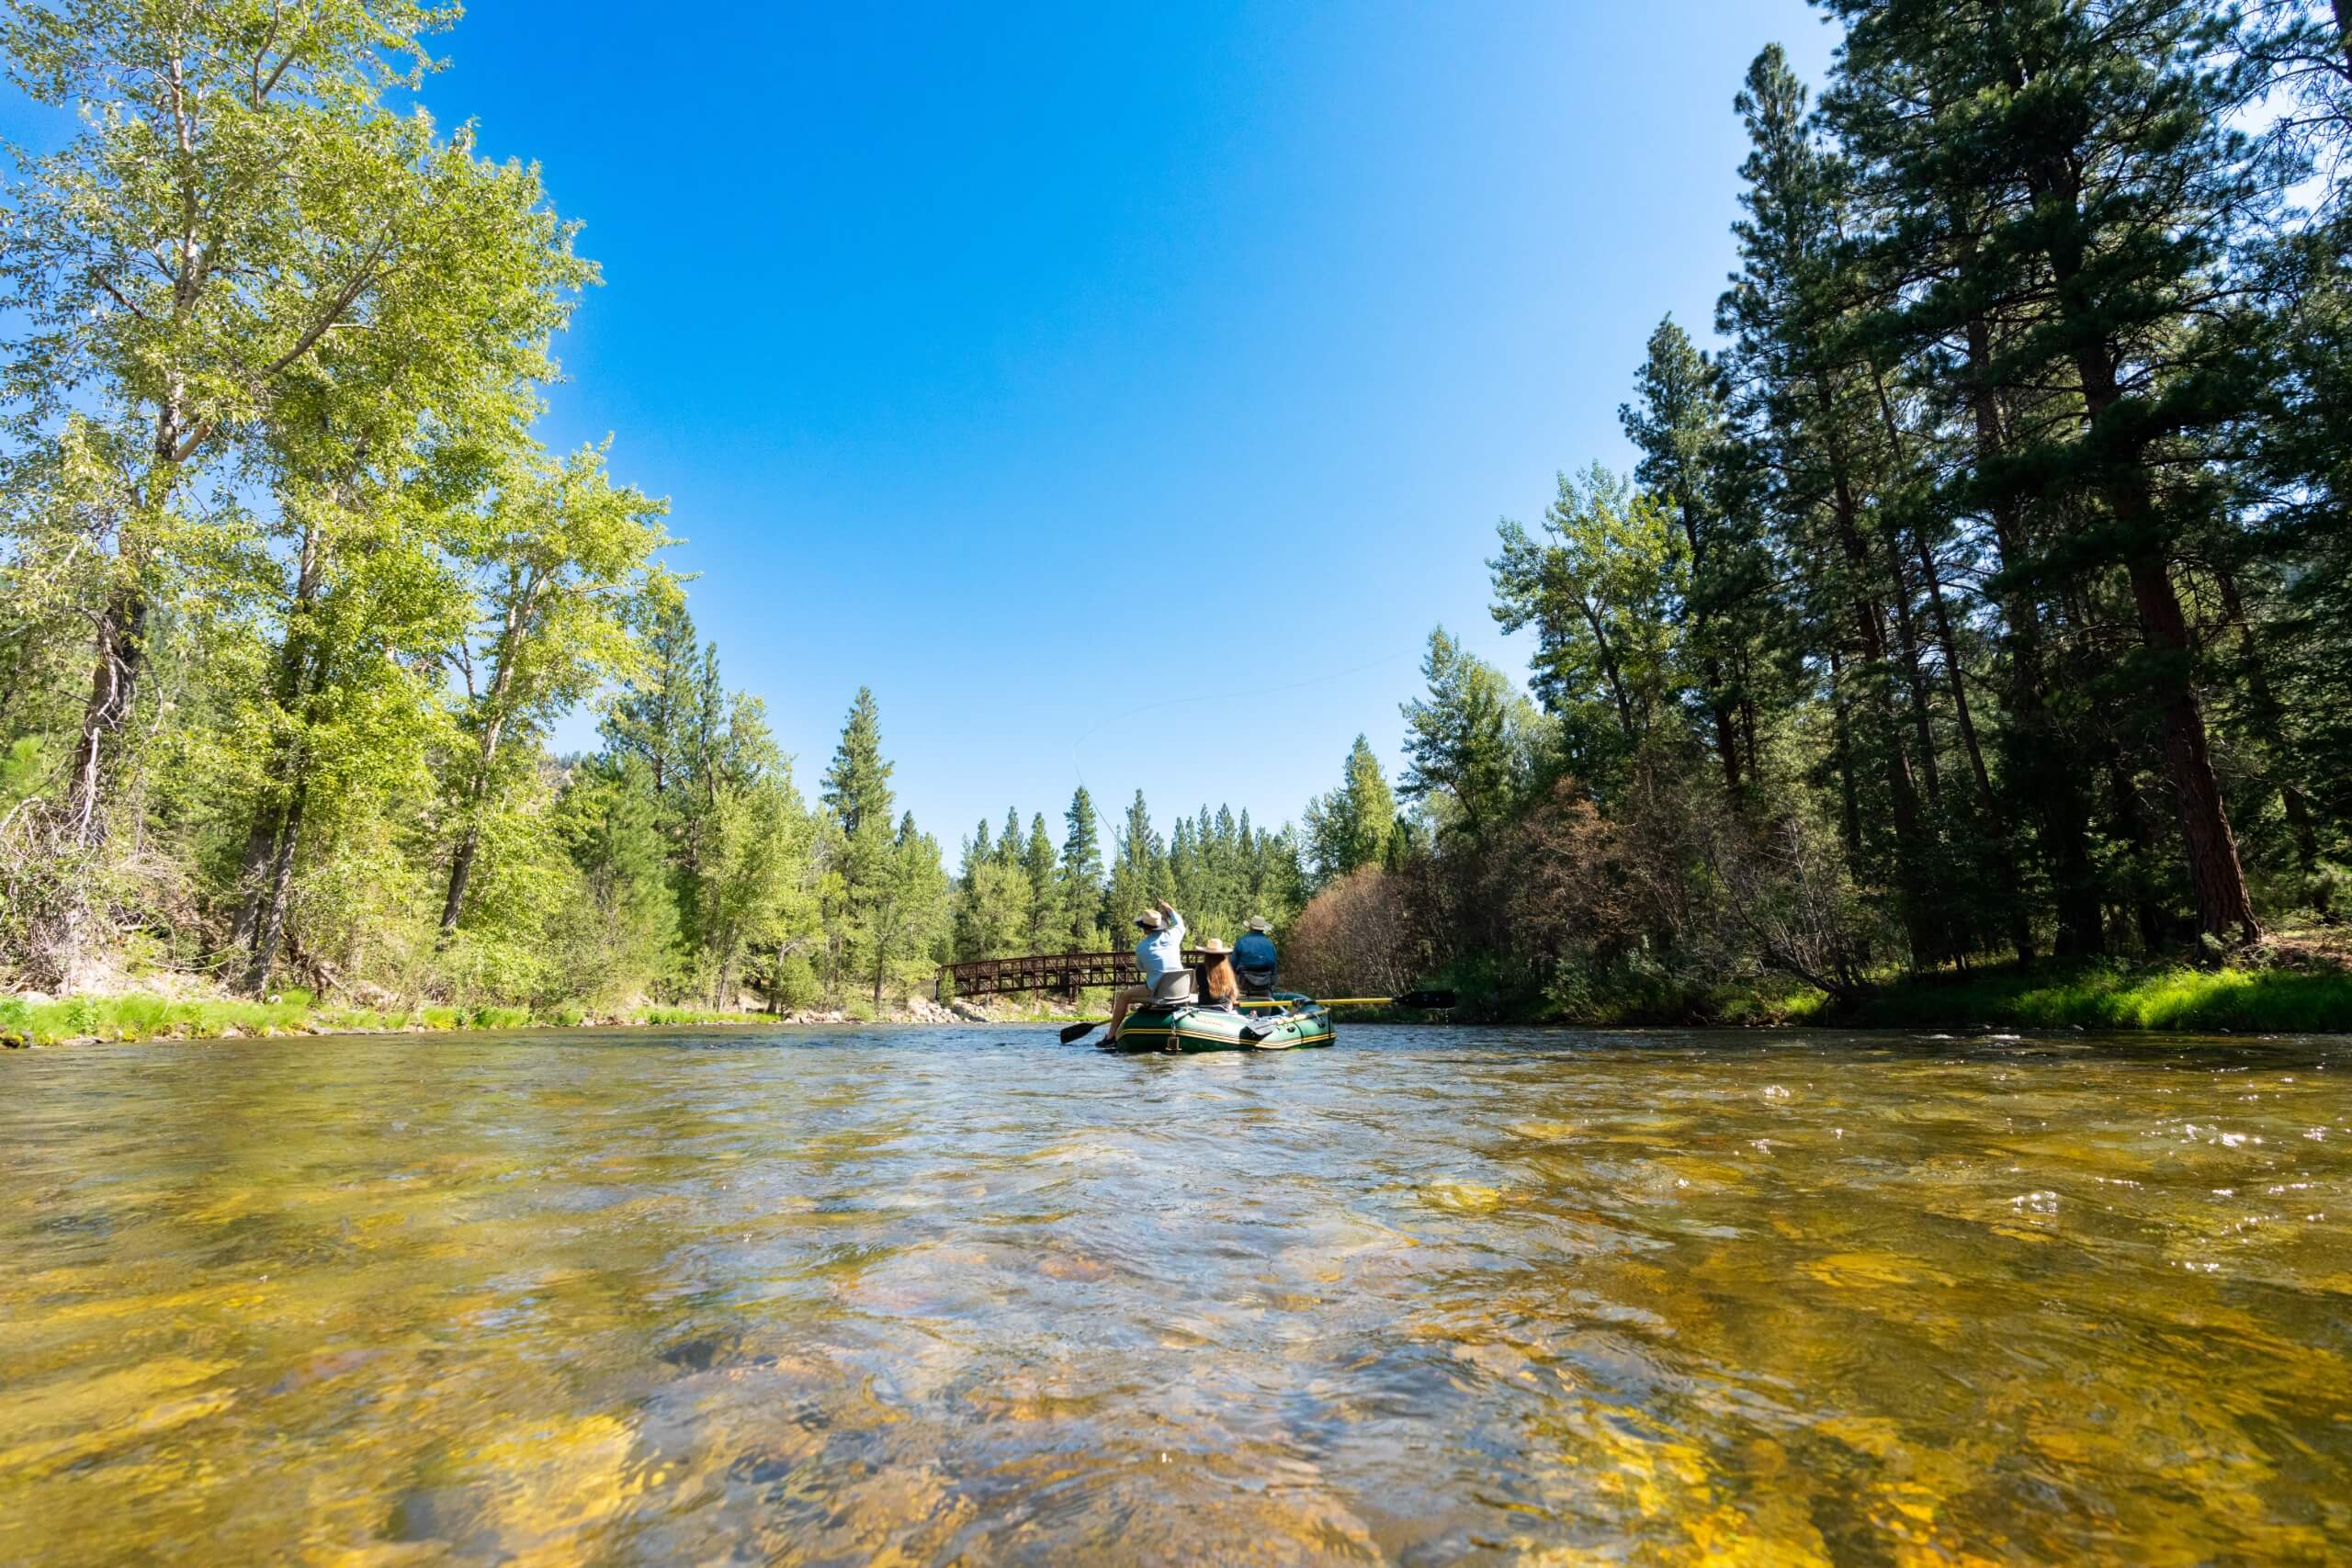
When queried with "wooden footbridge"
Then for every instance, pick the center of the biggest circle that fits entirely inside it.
(1065, 972)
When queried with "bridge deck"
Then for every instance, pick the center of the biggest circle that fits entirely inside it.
(1062, 971)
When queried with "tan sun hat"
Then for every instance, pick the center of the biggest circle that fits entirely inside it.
(1149, 919)
(1258, 923)
(1213, 945)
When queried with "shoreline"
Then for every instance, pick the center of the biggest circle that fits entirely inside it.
(2308, 993)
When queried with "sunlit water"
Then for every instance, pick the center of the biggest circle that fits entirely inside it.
(926, 1296)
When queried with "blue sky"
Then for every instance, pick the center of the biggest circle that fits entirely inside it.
(1122, 392)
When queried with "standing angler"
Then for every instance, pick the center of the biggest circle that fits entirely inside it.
(1160, 951)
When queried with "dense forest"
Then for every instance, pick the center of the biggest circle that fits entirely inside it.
(1987, 595)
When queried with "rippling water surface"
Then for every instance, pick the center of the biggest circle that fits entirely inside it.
(926, 1296)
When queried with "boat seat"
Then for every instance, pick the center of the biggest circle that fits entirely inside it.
(1176, 986)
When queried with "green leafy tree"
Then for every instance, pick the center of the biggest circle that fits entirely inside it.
(230, 230)
(625, 935)
(561, 559)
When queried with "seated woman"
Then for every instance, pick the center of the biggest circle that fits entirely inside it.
(1219, 985)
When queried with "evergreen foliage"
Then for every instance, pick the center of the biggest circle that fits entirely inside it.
(1983, 600)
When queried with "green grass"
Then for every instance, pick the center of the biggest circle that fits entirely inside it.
(2098, 996)
(695, 1015)
(139, 1016)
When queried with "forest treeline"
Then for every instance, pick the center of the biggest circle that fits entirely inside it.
(291, 596)
(1987, 596)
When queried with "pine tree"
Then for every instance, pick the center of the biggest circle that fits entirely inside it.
(1816, 423)
(1351, 826)
(1462, 759)
(2099, 144)
(653, 714)
(857, 785)
(862, 849)
(1682, 424)
(1048, 910)
(1082, 879)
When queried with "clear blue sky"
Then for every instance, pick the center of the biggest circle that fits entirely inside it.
(1036, 365)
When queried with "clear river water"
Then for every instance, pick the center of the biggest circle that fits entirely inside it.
(918, 1296)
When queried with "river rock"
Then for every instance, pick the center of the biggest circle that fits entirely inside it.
(971, 1012)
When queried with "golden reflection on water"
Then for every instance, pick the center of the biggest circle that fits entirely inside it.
(865, 1297)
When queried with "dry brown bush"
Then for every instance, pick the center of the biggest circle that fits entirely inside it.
(1355, 937)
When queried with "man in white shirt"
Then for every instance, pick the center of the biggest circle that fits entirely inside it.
(1162, 950)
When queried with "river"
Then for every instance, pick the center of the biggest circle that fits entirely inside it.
(921, 1295)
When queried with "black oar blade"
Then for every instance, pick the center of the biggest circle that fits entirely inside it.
(1425, 1000)
(1078, 1031)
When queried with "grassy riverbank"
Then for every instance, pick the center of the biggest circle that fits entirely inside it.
(2168, 997)
(139, 1015)
(144, 1016)
(2295, 981)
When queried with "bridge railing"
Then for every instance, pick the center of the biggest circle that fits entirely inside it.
(1063, 971)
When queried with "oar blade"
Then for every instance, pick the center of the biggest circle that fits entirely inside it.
(1078, 1031)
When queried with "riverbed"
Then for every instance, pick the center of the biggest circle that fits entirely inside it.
(923, 1296)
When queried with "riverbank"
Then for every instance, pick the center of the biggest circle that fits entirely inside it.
(2294, 982)
(38, 1020)
(2166, 998)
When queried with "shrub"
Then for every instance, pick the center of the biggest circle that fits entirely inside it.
(796, 983)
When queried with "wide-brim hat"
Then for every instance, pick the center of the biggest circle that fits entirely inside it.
(1149, 919)
(1213, 945)
(1258, 923)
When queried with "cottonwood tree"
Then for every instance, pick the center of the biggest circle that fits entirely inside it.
(239, 202)
(559, 561)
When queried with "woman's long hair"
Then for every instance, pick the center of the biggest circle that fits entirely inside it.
(1218, 983)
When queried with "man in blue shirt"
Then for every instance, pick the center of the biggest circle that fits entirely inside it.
(1253, 959)
(1162, 950)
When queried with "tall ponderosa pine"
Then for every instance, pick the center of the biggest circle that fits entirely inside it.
(2093, 143)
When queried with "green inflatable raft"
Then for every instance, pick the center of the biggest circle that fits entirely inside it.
(1286, 1022)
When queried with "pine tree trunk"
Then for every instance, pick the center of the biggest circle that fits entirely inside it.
(1711, 670)
(1849, 819)
(2215, 874)
(1910, 838)
(1914, 677)
(2131, 825)
(2001, 866)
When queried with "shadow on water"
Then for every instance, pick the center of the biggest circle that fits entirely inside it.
(845, 1294)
